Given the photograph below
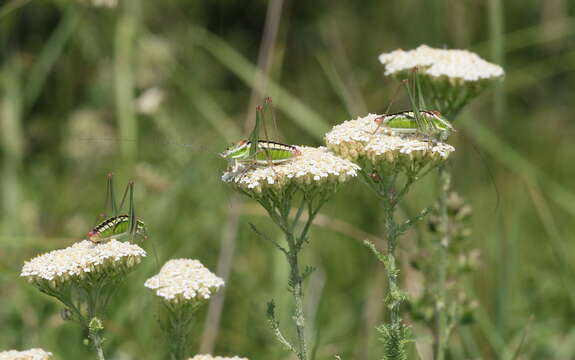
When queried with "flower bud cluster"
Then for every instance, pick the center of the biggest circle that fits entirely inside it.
(363, 139)
(32, 354)
(82, 260)
(455, 66)
(312, 168)
(183, 281)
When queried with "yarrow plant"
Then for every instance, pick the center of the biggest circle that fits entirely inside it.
(390, 163)
(183, 285)
(83, 277)
(32, 354)
(448, 79)
(305, 182)
(461, 260)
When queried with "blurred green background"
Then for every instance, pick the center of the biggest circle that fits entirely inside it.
(89, 90)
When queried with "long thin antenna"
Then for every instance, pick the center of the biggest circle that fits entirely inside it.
(393, 97)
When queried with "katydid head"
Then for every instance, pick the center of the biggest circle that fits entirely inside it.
(238, 151)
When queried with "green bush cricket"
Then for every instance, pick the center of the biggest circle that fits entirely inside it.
(423, 122)
(256, 152)
(428, 123)
(119, 226)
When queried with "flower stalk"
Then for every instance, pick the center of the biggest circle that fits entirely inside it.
(84, 277)
(395, 334)
(305, 182)
(279, 211)
(390, 164)
(183, 285)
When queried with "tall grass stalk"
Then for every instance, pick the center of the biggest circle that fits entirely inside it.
(229, 237)
(496, 40)
(12, 141)
(300, 113)
(124, 43)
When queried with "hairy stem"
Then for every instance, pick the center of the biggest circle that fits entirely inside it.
(179, 328)
(297, 291)
(392, 272)
(97, 342)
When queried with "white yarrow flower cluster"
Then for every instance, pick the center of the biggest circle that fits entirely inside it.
(81, 260)
(210, 357)
(102, 3)
(455, 65)
(362, 138)
(313, 168)
(184, 281)
(32, 354)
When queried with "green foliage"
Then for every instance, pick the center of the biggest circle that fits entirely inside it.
(394, 338)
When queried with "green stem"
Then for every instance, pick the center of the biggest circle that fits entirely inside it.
(392, 271)
(97, 343)
(179, 328)
(441, 332)
(297, 291)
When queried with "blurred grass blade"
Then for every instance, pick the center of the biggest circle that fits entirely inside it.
(294, 108)
(336, 82)
(511, 158)
(534, 35)
(210, 110)
(50, 53)
(496, 41)
(12, 141)
(11, 6)
(523, 337)
(538, 71)
(124, 77)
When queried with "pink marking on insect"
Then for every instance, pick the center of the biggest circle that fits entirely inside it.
(379, 119)
(295, 151)
(93, 236)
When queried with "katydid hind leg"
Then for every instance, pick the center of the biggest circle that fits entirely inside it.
(110, 198)
(132, 222)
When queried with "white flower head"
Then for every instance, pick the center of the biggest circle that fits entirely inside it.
(210, 357)
(313, 168)
(456, 66)
(81, 261)
(183, 281)
(363, 139)
(32, 354)
(102, 3)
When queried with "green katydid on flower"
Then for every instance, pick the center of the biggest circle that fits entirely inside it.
(119, 226)
(268, 152)
(428, 122)
(281, 178)
(254, 152)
